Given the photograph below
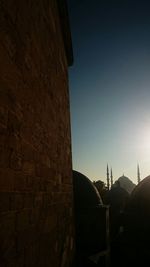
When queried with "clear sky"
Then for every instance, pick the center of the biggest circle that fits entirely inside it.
(110, 87)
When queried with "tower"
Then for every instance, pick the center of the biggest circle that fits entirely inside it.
(138, 174)
(108, 185)
(111, 178)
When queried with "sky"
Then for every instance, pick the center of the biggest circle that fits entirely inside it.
(110, 87)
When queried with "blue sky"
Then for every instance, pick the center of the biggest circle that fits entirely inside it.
(110, 88)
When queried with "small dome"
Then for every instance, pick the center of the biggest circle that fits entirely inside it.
(138, 212)
(137, 223)
(90, 216)
(85, 193)
(142, 189)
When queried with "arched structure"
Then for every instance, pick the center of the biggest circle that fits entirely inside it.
(91, 218)
(137, 225)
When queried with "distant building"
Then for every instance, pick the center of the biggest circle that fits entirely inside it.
(108, 179)
(111, 178)
(125, 183)
(138, 174)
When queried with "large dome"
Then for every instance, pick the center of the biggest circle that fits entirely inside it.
(125, 183)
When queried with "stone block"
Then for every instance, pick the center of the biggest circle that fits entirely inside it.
(22, 220)
(16, 201)
(15, 161)
(4, 201)
(35, 157)
(6, 180)
(29, 168)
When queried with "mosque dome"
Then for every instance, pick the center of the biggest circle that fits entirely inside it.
(125, 183)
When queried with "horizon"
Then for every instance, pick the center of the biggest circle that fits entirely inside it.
(115, 177)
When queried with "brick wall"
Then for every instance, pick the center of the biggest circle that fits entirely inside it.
(36, 226)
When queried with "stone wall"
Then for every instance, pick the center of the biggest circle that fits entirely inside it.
(36, 226)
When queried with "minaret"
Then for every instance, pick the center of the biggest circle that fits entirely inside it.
(111, 178)
(138, 174)
(107, 177)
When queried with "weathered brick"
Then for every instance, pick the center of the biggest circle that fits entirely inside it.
(15, 161)
(3, 116)
(35, 154)
(4, 201)
(31, 252)
(6, 98)
(29, 181)
(14, 123)
(38, 199)
(7, 234)
(28, 200)
(48, 224)
(28, 152)
(43, 171)
(26, 238)
(19, 182)
(35, 215)
(18, 261)
(16, 201)
(3, 137)
(6, 180)
(22, 220)
(5, 155)
(14, 142)
(28, 168)
(47, 199)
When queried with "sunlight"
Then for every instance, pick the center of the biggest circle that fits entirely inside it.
(143, 140)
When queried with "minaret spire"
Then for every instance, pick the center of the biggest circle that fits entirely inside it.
(138, 174)
(111, 177)
(108, 177)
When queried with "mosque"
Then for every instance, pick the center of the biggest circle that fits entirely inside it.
(123, 181)
(112, 229)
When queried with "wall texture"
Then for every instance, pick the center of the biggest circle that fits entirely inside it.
(36, 225)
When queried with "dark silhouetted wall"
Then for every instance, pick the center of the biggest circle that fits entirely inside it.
(36, 227)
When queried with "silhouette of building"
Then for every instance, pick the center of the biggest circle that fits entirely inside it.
(135, 241)
(91, 223)
(100, 185)
(108, 180)
(111, 178)
(125, 183)
(117, 197)
(36, 209)
(138, 174)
